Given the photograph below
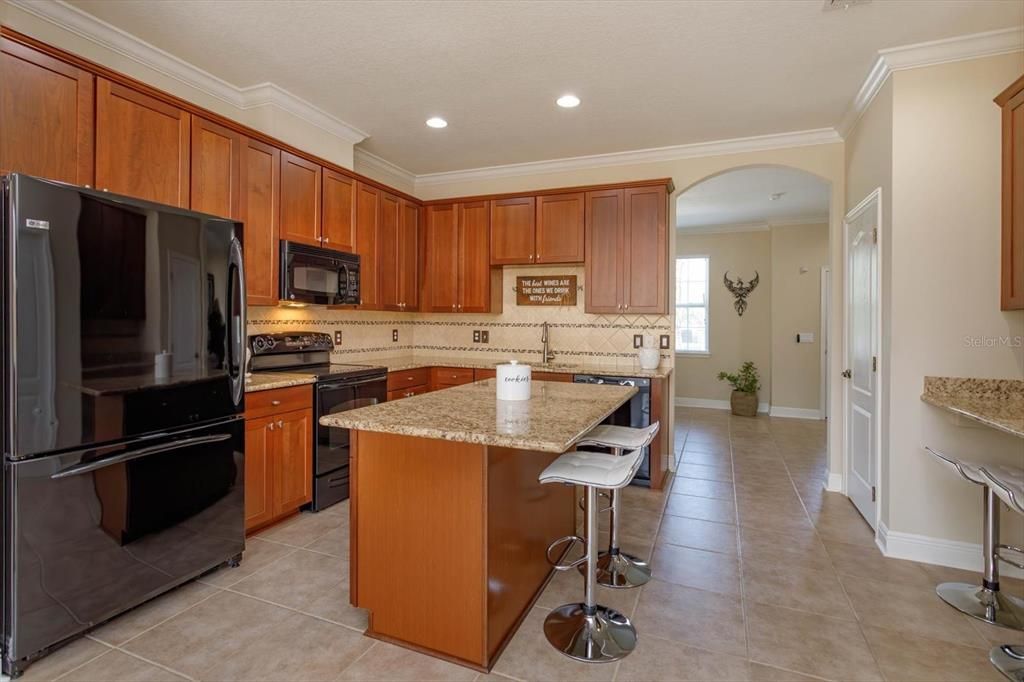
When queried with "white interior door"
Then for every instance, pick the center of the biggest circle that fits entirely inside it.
(862, 322)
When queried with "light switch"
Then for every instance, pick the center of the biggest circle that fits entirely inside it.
(805, 337)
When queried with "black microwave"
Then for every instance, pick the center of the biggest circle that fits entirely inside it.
(310, 274)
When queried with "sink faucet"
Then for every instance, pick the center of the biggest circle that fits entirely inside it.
(546, 351)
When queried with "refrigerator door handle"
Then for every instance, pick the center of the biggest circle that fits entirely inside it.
(86, 467)
(235, 343)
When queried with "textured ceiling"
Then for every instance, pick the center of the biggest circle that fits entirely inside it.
(649, 73)
(743, 197)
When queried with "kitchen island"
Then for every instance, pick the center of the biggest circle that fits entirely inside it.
(449, 525)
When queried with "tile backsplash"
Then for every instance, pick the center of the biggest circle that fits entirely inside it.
(574, 336)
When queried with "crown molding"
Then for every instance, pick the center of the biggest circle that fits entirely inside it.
(371, 160)
(684, 151)
(959, 48)
(759, 226)
(106, 35)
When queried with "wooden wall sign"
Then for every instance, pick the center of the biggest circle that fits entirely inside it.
(548, 290)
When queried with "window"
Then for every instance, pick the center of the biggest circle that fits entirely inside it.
(692, 305)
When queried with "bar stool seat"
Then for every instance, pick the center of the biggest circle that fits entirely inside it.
(616, 568)
(986, 602)
(587, 631)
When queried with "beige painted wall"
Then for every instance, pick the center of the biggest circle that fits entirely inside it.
(869, 167)
(270, 120)
(796, 307)
(732, 340)
(945, 285)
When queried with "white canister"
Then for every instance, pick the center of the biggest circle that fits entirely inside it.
(649, 358)
(162, 365)
(514, 381)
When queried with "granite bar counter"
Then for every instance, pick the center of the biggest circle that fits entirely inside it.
(449, 525)
(996, 403)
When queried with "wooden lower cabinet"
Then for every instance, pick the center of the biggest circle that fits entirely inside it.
(446, 377)
(278, 456)
(407, 392)
(553, 376)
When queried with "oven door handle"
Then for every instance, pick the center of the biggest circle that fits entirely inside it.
(135, 454)
(349, 384)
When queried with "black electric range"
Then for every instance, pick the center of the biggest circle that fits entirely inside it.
(339, 387)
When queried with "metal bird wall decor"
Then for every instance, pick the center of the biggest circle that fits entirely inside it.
(740, 290)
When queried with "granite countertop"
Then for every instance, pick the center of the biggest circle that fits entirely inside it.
(997, 403)
(554, 418)
(405, 362)
(264, 381)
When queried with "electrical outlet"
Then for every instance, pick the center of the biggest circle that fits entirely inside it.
(485, 336)
(665, 342)
(638, 340)
(394, 335)
(337, 338)
(476, 336)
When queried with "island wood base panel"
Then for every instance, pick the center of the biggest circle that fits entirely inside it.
(448, 541)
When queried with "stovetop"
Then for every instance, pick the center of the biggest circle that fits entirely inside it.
(337, 371)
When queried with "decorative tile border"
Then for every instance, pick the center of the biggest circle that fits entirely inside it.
(479, 324)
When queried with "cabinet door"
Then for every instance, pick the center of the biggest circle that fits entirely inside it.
(261, 169)
(339, 217)
(388, 252)
(474, 264)
(409, 256)
(645, 288)
(560, 228)
(368, 210)
(142, 145)
(1012, 102)
(604, 243)
(216, 185)
(300, 200)
(46, 109)
(441, 289)
(513, 231)
(293, 479)
(259, 476)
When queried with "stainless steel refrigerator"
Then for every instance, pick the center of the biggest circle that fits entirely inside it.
(123, 437)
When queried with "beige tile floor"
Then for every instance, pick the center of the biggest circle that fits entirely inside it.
(760, 575)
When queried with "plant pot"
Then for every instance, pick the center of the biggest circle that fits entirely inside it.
(743, 404)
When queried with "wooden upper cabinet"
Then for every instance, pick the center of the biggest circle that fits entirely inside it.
(513, 231)
(645, 283)
(46, 116)
(368, 207)
(409, 256)
(261, 172)
(216, 185)
(474, 265)
(339, 214)
(441, 279)
(560, 228)
(300, 200)
(604, 244)
(1012, 290)
(388, 252)
(142, 145)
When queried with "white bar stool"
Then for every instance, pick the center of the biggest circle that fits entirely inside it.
(1008, 484)
(984, 602)
(615, 568)
(588, 631)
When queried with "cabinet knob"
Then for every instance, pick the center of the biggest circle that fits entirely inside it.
(625, 307)
(409, 378)
(326, 240)
(270, 426)
(280, 423)
(275, 403)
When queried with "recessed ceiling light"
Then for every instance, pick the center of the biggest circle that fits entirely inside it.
(437, 122)
(776, 196)
(568, 101)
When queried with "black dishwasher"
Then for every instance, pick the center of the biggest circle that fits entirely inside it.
(635, 413)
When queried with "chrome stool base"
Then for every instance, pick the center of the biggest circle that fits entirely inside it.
(992, 607)
(1009, 660)
(603, 637)
(620, 570)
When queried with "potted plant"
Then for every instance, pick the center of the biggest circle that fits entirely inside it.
(745, 385)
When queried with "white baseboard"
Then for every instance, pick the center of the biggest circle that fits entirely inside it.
(795, 412)
(709, 404)
(926, 549)
(834, 483)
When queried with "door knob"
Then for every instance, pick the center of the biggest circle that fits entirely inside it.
(847, 373)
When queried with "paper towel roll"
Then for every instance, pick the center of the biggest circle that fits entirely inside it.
(514, 381)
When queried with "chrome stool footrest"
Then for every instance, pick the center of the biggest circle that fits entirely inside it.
(1010, 548)
(572, 540)
(602, 636)
(1009, 660)
(991, 606)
